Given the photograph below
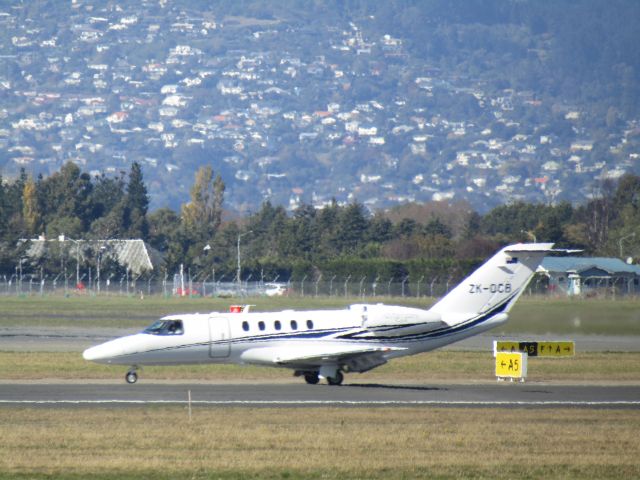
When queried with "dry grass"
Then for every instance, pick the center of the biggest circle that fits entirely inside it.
(318, 443)
(437, 366)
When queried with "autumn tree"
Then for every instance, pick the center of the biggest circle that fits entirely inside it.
(201, 217)
(30, 210)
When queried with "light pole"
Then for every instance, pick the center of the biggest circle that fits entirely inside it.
(240, 235)
(102, 249)
(62, 238)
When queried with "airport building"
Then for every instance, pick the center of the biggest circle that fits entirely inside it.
(589, 276)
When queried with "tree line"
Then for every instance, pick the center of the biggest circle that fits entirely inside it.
(427, 240)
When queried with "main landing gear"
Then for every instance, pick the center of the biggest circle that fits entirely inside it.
(311, 378)
(335, 377)
(132, 376)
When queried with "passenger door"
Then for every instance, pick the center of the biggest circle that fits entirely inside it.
(219, 336)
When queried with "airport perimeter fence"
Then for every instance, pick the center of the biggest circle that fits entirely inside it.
(350, 287)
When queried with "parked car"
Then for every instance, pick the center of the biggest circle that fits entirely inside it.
(275, 289)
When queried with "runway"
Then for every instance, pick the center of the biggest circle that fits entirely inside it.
(302, 395)
(74, 339)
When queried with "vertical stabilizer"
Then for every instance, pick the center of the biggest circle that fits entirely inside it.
(495, 286)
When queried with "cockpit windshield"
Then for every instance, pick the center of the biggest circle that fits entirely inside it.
(165, 327)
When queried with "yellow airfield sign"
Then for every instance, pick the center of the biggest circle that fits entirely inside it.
(537, 349)
(511, 365)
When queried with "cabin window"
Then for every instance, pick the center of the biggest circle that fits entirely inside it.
(294, 325)
(277, 325)
(165, 327)
(261, 325)
(310, 324)
(245, 326)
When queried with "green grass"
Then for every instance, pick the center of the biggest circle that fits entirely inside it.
(580, 316)
(530, 315)
(376, 443)
(432, 367)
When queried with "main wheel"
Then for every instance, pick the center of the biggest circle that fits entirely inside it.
(131, 377)
(337, 380)
(311, 378)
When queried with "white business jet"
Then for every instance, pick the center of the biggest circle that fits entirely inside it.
(323, 344)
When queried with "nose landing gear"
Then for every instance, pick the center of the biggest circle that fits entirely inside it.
(132, 376)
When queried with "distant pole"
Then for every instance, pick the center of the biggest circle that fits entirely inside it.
(404, 281)
(623, 239)
(182, 279)
(62, 238)
(240, 235)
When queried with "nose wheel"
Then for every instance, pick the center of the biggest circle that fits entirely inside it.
(131, 377)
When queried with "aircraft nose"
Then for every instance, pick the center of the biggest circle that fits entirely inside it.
(100, 353)
(92, 354)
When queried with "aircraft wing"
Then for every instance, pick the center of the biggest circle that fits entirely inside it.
(358, 358)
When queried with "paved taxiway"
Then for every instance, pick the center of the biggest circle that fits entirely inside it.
(74, 339)
(302, 395)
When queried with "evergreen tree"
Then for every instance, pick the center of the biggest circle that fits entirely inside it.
(138, 199)
(66, 194)
(136, 205)
(352, 228)
(303, 233)
(380, 229)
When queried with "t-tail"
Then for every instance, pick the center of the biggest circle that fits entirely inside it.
(494, 287)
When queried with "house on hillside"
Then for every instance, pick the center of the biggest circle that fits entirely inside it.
(588, 275)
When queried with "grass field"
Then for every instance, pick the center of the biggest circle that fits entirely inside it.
(530, 315)
(433, 367)
(377, 443)
(318, 443)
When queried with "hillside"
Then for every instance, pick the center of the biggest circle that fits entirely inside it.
(381, 102)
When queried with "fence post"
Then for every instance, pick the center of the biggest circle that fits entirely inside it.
(331, 286)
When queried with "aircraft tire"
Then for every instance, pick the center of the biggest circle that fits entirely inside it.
(131, 377)
(337, 380)
(311, 378)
